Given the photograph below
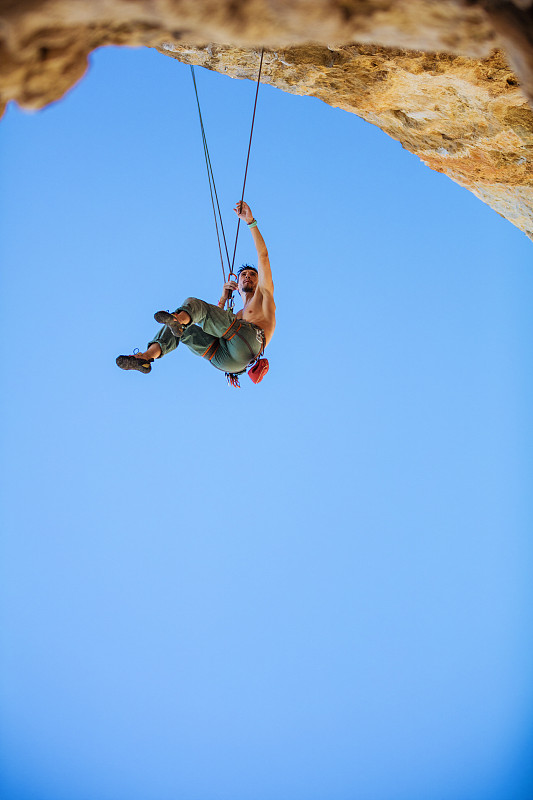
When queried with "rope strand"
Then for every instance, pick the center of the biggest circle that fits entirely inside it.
(248, 156)
(211, 177)
(212, 185)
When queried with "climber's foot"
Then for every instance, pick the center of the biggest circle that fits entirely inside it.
(143, 365)
(166, 318)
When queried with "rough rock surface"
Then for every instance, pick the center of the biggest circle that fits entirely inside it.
(428, 73)
(465, 117)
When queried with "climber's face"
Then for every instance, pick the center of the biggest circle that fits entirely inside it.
(247, 281)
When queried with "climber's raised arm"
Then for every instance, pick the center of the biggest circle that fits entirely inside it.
(264, 271)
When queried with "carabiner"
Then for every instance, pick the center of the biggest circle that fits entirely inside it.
(231, 300)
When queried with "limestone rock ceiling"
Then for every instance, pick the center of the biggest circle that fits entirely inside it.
(464, 117)
(434, 75)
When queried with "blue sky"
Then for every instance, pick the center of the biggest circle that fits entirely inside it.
(319, 587)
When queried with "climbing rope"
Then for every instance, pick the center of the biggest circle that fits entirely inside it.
(211, 179)
(248, 156)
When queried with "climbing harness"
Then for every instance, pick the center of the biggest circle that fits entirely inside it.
(258, 366)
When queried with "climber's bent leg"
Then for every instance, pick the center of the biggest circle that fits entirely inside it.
(164, 340)
(239, 342)
(212, 319)
(230, 344)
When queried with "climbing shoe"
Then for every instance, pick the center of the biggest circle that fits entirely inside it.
(166, 318)
(143, 365)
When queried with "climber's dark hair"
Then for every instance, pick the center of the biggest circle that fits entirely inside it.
(246, 266)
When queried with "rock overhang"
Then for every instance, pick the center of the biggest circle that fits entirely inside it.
(435, 76)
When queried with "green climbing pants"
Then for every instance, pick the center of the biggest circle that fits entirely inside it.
(230, 344)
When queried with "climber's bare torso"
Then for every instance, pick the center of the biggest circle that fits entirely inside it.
(260, 310)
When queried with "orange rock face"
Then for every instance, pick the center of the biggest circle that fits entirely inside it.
(428, 74)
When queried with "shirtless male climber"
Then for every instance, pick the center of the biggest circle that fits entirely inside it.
(229, 341)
